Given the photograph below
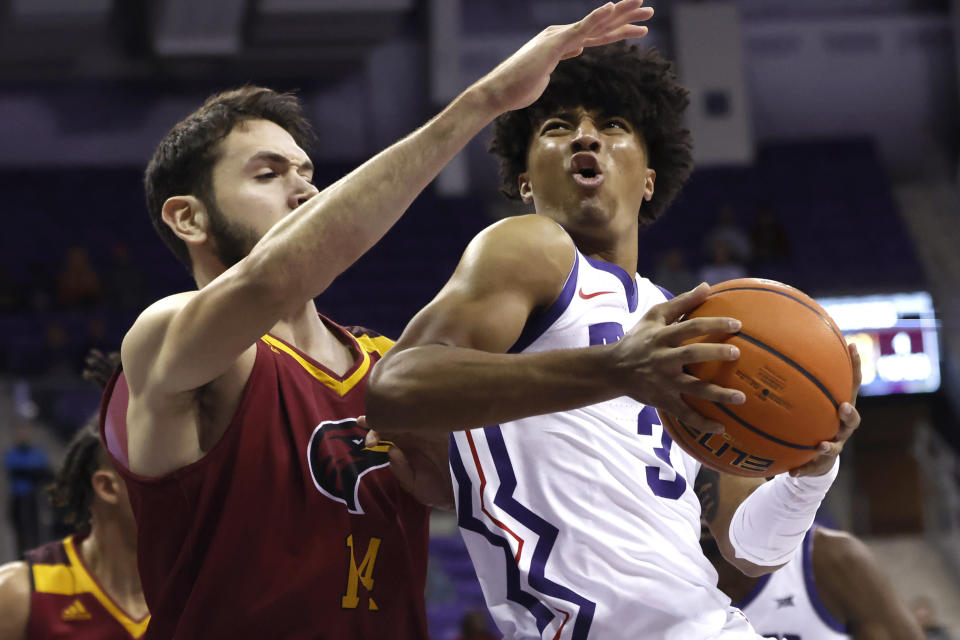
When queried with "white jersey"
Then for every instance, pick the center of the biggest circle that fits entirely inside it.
(785, 604)
(584, 524)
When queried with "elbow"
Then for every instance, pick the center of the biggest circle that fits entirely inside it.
(754, 570)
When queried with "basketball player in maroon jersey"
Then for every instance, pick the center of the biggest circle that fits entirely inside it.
(85, 586)
(260, 513)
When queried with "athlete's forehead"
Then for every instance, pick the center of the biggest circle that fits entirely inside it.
(258, 142)
(575, 112)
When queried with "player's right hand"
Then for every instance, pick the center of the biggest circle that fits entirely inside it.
(519, 80)
(653, 358)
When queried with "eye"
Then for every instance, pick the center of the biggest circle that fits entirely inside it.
(617, 123)
(554, 125)
(264, 177)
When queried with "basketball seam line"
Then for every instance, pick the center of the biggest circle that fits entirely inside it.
(795, 299)
(795, 365)
(785, 443)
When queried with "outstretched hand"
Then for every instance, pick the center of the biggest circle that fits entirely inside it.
(849, 421)
(519, 80)
(654, 359)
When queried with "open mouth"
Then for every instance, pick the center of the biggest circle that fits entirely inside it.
(585, 170)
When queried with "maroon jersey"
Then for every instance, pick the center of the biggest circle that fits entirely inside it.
(288, 527)
(66, 601)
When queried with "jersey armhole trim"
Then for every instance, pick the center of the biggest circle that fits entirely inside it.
(538, 322)
(810, 583)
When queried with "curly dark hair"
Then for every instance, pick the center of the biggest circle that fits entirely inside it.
(72, 489)
(618, 79)
(183, 161)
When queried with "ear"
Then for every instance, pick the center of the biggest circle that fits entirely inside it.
(526, 190)
(648, 184)
(187, 217)
(107, 485)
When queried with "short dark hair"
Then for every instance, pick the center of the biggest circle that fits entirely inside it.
(72, 490)
(183, 161)
(617, 79)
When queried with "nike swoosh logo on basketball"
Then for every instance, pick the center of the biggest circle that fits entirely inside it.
(587, 296)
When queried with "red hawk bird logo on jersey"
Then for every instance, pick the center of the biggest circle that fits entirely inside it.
(338, 459)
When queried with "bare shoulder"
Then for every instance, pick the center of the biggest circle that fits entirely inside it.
(14, 600)
(838, 551)
(522, 249)
(531, 231)
(145, 337)
(855, 587)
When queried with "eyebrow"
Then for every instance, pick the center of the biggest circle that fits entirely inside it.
(279, 158)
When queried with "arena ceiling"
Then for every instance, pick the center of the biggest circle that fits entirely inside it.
(88, 40)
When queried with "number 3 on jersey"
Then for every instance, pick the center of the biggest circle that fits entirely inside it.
(608, 333)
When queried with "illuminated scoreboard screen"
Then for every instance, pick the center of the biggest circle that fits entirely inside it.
(896, 335)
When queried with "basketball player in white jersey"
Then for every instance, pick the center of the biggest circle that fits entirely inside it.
(833, 588)
(579, 513)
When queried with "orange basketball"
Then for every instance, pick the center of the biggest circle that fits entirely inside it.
(794, 369)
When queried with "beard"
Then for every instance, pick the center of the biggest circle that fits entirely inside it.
(232, 241)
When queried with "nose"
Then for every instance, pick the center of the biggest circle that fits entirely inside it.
(586, 138)
(303, 192)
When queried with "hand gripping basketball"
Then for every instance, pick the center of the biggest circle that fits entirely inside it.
(653, 358)
(849, 422)
(796, 372)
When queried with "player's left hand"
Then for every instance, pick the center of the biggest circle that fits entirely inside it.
(849, 421)
(420, 462)
(100, 366)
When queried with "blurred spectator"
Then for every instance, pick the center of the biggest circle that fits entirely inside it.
(771, 244)
(126, 282)
(9, 292)
(926, 615)
(723, 264)
(78, 284)
(28, 471)
(58, 356)
(473, 626)
(673, 274)
(728, 232)
(38, 293)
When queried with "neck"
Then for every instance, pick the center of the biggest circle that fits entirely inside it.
(622, 251)
(303, 329)
(613, 242)
(110, 555)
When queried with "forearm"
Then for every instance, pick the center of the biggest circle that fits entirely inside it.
(314, 244)
(771, 522)
(445, 388)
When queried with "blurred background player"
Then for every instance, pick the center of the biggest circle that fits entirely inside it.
(85, 586)
(234, 421)
(832, 589)
(546, 345)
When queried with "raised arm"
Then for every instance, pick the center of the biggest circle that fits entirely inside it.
(187, 341)
(855, 587)
(14, 600)
(449, 369)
